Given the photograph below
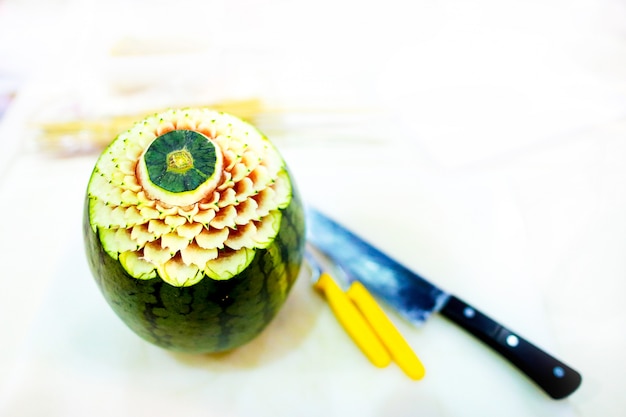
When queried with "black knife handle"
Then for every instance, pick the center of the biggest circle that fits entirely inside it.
(553, 376)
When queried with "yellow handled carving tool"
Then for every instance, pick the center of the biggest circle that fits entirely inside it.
(353, 321)
(366, 322)
(397, 346)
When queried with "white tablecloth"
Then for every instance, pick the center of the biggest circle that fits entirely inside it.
(483, 144)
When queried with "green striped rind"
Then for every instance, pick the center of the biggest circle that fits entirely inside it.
(212, 315)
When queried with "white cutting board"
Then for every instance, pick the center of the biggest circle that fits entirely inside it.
(79, 359)
(76, 357)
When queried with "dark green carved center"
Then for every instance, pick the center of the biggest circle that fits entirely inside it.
(180, 160)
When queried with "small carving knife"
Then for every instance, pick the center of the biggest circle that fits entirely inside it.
(416, 299)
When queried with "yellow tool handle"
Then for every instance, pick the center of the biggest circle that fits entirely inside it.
(353, 322)
(400, 350)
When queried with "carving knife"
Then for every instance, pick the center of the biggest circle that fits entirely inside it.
(416, 299)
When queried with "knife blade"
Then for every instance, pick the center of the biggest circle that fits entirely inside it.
(417, 299)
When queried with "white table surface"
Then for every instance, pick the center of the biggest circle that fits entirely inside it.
(483, 145)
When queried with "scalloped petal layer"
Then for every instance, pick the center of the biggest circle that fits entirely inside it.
(215, 236)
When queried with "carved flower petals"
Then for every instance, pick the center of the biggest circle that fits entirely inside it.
(267, 228)
(113, 196)
(195, 255)
(241, 133)
(250, 159)
(246, 211)
(176, 273)
(164, 127)
(144, 200)
(243, 237)
(228, 264)
(132, 150)
(138, 267)
(127, 167)
(260, 177)
(216, 235)
(107, 237)
(166, 210)
(234, 145)
(118, 217)
(228, 198)
(204, 216)
(142, 235)
(106, 165)
(123, 241)
(224, 143)
(149, 213)
(273, 165)
(189, 230)
(146, 136)
(153, 252)
(158, 227)
(175, 221)
(224, 218)
(230, 159)
(101, 212)
(133, 216)
(206, 128)
(226, 181)
(185, 123)
(116, 178)
(283, 190)
(212, 238)
(99, 186)
(265, 201)
(129, 198)
(211, 202)
(188, 212)
(239, 172)
(244, 189)
(130, 183)
(174, 242)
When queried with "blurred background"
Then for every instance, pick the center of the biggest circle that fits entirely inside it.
(444, 69)
(481, 142)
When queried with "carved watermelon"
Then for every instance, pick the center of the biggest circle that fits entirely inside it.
(193, 229)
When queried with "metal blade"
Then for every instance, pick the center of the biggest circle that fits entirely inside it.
(411, 295)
